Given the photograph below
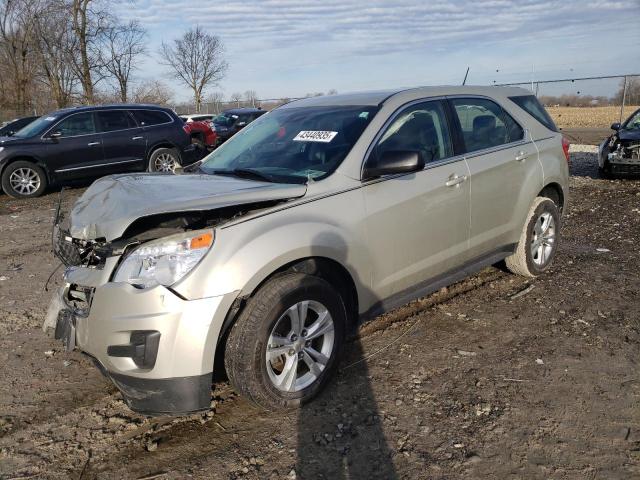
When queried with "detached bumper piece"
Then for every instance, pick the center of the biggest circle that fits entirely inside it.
(166, 396)
(66, 329)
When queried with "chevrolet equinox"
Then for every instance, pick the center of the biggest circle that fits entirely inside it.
(321, 213)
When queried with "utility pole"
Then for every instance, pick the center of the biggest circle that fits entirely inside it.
(624, 96)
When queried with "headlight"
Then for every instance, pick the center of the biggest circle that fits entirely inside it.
(164, 261)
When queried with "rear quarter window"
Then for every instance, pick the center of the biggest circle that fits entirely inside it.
(531, 105)
(148, 118)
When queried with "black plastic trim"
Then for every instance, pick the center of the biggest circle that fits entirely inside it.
(165, 396)
(434, 284)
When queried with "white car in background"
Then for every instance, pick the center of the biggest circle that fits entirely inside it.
(197, 117)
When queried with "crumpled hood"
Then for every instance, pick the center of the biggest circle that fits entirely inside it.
(629, 135)
(111, 204)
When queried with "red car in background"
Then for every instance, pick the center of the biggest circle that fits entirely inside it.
(202, 133)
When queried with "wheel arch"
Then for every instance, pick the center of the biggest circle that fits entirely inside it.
(162, 144)
(554, 192)
(27, 158)
(324, 267)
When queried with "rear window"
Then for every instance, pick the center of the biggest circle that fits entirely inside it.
(531, 105)
(151, 117)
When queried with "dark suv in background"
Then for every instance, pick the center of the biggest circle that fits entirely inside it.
(87, 142)
(230, 122)
(14, 125)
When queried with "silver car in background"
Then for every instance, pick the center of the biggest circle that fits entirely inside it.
(319, 214)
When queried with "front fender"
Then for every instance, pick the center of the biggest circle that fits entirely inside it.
(245, 254)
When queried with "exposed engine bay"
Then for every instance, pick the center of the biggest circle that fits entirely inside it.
(623, 152)
(93, 253)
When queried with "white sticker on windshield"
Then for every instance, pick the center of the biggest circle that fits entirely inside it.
(315, 136)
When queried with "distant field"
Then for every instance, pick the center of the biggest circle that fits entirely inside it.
(588, 117)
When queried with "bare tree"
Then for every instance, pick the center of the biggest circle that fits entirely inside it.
(197, 60)
(236, 98)
(124, 44)
(152, 92)
(89, 21)
(216, 99)
(251, 97)
(54, 43)
(16, 50)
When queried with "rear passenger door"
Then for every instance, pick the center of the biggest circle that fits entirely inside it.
(417, 224)
(122, 140)
(501, 159)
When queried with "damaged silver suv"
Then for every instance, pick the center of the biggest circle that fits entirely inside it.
(321, 213)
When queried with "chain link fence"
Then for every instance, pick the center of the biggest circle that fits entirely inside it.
(590, 102)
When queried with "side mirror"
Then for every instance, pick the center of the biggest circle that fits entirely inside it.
(55, 135)
(10, 133)
(392, 162)
(615, 126)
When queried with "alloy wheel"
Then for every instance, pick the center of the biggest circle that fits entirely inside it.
(24, 181)
(300, 346)
(165, 162)
(543, 239)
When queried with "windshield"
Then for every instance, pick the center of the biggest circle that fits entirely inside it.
(634, 122)
(293, 144)
(36, 127)
(225, 120)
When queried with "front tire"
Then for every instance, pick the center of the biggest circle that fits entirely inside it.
(538, 241)
(164, 160)
(286, 344)
(24, 179)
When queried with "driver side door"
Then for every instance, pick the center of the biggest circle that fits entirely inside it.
(75, 149)
(418, 223)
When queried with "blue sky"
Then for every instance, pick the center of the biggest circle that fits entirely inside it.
(286, 48)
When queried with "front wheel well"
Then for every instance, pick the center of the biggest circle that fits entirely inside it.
(26, 158)
(329, 270)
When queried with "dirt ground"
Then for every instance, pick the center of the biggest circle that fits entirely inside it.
(494, 377)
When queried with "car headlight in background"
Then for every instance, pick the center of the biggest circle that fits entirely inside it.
(164, 261)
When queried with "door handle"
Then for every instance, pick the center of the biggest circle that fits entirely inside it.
(455, 180)
(93, 144)
(137, 138)
(521, 156)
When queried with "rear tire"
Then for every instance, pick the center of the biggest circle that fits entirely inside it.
(164, 160)
(24, 179)
(538, 241)
(277, 362)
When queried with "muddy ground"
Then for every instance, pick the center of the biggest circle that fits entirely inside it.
(495, 377)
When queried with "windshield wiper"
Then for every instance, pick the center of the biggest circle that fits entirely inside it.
(246, 172)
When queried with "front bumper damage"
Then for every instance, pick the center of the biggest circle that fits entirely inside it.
(157, 347)
(620, 156)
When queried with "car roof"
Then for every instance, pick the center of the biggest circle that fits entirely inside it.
(244, 110)
(115, 106)
(378, 97)
(189, 115)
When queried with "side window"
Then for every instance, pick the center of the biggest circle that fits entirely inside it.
(111, 120)
(77, 124)
(421, 127)
(485, 124)
(147, 118)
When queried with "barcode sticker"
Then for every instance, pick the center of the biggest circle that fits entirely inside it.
(315, 136)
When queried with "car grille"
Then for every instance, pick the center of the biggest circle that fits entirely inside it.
(65, 249)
